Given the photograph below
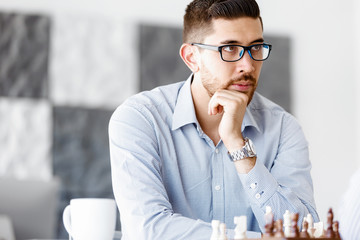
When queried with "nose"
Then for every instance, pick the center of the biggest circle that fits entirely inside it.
(246, 63)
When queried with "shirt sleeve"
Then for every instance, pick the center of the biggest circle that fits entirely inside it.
(145, 209)
(287, 185)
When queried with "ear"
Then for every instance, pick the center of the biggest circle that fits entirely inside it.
(187, 53)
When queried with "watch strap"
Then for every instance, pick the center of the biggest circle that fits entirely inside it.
(245, 152)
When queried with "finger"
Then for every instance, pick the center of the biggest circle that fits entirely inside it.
(213, 105)
(229, 101)
(233, 94)
(218, 103)
(235, 99)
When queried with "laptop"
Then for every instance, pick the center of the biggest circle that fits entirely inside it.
(31, 205)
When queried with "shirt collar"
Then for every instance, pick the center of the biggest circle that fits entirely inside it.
(249, 119)
(184, 112)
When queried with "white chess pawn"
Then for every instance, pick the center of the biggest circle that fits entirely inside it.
(241, 227)
(222, 232)
(310, 221)
(303, 224)
(269, 216)
(287, 223)
(268, 209)
(215, 224)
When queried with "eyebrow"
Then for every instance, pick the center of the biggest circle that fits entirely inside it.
(236, 42)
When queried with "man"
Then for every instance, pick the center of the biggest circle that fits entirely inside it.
(183, 154)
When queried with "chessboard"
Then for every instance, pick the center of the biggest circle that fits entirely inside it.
(282, 229)
(296, 238)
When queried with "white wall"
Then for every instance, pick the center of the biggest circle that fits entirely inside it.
(324, 70)
(357, 66)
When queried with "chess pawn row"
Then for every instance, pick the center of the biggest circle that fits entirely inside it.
(291, 229)
(309, 228)
(331, 230)
(219, 229)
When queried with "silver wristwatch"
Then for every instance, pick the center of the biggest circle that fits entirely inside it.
(247, 151)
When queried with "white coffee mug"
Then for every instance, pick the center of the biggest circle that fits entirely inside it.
(90, 218)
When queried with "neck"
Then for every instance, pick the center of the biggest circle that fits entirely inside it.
(209, 124)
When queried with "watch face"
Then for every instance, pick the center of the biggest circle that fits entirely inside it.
(252, 147)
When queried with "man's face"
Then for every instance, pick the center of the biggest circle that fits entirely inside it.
(242, 75)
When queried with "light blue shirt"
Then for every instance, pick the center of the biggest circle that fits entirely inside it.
(170, 180)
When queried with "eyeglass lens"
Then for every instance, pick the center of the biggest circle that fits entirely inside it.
(234, 53)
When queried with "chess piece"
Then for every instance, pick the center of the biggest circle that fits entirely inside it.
(319, 229)
(336, 229)
(279, 229)
(304, 232)
(294, 230)
(269, 215)
(287, 223)
(215, 224)
(241, 227)
(269, 222)
(222, 235)
(311, 228)
(303, 222)
(269, 229)
(329, 224)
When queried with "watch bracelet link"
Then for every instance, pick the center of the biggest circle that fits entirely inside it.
(244, 152)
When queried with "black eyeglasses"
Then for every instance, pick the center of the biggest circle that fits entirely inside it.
(233, 53)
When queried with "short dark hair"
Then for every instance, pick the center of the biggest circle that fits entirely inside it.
(200, 13)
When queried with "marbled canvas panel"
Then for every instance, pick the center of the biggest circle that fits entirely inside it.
(93, 61)
(275, 79)
(81, 155)
(25, 138)
(160, 62)
(24, 53)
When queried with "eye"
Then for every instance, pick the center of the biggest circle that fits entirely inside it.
(257, 47)
(230, 48)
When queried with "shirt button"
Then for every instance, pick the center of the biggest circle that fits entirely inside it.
(253, 185)
(257, 196)
(216, 150)
(217, 187)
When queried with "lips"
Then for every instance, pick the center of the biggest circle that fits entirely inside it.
(244, 86)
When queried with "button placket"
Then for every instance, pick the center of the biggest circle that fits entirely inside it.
(217, 183)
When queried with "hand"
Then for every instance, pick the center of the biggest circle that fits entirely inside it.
(232, 104)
